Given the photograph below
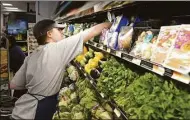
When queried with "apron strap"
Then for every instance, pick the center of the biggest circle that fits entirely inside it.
(34, 95)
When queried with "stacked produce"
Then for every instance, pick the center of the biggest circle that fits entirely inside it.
(114, 78)
(91, 102)
(149, 97)
(79, 101)
(143, 96)
(69, 107)
(32, 42)
(72, 73)
(90, 61)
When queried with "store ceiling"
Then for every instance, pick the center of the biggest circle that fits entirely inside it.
(17, 6)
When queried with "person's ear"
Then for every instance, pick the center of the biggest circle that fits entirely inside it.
(49, 34)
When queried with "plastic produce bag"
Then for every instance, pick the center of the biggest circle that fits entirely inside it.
(179, 57)
(119, 21)
(165, 41)
(108, 36)
(144, 45)
(125, 38)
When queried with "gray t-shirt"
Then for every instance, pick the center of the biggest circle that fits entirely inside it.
(42, 71)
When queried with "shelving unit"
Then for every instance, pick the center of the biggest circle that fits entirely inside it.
(146, 11)
(86, 18)
(32, 42)
(5, 70)
(5, 91)
(156, 68)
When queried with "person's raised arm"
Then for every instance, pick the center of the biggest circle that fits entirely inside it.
(95, 30)
(72, 46)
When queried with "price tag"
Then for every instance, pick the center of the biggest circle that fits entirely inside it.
(85, 74)
(158, 69)
(117, 112)
(118, 53)
(91, 81)
(101, 47)
(102, 94)
(126, 58)
(108, 50)
(181, 77)
(95, 44)
(136, 61)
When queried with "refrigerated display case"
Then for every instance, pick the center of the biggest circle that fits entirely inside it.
(142, 81)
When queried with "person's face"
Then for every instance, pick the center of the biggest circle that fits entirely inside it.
(56, 34)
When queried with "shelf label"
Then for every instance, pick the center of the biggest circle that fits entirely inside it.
(126, 57)
(136, 61)
(102, 94)
(95, 44)
(101, 47)
(104, 47)
(118, 53)
(85, 75)
(91, 81)
(181, 77)
(108, 50)
(158, 69)
(146, 65)
(117, 112)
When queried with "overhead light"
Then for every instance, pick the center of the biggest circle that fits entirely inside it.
(7, 4)
(11, 8)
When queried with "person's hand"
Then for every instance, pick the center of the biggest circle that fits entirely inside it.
(95, 30)
(108, 24)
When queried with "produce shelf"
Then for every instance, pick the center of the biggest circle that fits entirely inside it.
(154, 67)
(117, 110)
(146, 9)
(77, 17)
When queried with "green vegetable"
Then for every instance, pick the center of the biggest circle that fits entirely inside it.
(65, 115)
(105, 116)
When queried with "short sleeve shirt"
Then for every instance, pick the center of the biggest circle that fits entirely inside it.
(42, 73)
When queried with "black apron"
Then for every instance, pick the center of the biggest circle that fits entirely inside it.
(46, 107)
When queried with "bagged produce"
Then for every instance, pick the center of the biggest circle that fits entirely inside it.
(179, 57)
(125, 38)
(115, 29)
(108, 37)
(165, 41)
(103, 36)
(144, 44)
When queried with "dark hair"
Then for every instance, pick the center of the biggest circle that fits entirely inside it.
(3, 42)
(42, 40)
(41, 28)
(12, 40)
